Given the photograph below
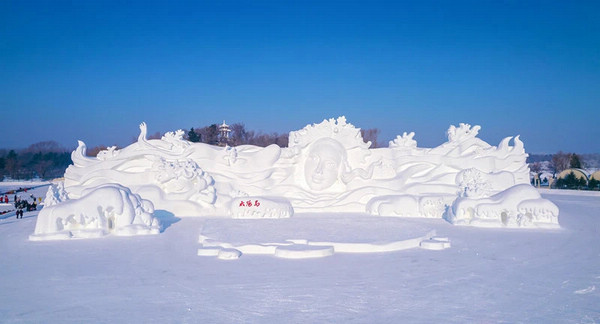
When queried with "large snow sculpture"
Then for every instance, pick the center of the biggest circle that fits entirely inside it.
(326, 168)
(100, 211)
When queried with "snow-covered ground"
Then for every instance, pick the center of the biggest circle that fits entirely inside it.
(488, 275)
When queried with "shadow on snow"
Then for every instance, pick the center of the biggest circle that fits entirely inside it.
(166, 218)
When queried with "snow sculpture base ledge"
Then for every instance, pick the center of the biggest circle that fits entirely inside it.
(326, 168)
(315, 236)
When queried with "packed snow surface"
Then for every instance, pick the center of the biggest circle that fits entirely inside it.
(488, 274)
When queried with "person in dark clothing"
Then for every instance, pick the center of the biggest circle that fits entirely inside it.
(20, 204)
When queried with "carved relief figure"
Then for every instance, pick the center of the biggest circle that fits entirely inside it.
(323, 164)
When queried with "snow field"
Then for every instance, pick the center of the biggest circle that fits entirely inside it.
(488, 275)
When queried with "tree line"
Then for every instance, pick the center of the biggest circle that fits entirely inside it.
(558, 162)
(48, 160)
(240, 136)
(45, 160)
(571, 181)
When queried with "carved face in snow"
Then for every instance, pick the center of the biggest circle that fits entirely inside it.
(322, 167)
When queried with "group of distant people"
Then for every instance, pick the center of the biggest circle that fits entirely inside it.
(21, 205)
(24, 204)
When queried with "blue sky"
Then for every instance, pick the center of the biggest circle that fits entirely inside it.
(93, 70)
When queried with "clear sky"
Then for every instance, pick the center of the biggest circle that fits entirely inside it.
(93, 70)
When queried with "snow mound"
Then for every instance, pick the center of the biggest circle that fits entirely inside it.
(515, 207)
(108, 209)
(229, 254)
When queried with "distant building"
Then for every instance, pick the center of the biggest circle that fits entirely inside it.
(224, 132)
(579, 174)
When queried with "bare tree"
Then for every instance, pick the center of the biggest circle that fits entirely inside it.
(209, 134)
(42, 167)
(156, 135)
(370, 135)
(536, 167)
(282, 140)
(44, 147)
(560, 161)
(264, 140)
(239, 135)
(95, 150)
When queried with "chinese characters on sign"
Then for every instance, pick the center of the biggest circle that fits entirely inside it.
(249, 203)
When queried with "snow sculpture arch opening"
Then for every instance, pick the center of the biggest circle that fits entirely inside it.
(326, 168)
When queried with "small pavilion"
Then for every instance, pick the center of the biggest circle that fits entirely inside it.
(224, 132)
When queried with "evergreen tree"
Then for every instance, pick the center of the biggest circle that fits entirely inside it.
(571, 181)
(12, 164)
(2, 170)
(593, 184)
(193, 136)
(575, 161)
